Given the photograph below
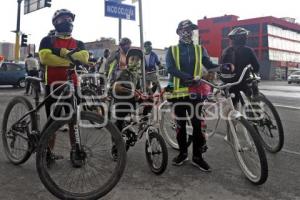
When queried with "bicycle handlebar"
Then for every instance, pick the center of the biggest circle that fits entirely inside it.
(227, 85)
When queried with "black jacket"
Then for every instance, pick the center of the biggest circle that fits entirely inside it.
(240, 56)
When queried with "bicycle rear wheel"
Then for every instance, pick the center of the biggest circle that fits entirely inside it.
(248, 150)
(156, 152)
(15, 139)
(268, 125)
(98, 173)
(168, 127)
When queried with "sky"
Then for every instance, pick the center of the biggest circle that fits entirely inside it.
(160, 18)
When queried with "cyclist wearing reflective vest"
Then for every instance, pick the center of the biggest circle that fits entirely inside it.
(52, 52)
(117, 59)
(184, 62)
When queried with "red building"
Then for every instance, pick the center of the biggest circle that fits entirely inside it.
(276, 41)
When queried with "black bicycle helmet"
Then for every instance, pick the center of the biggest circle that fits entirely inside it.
(62, 12)
(125, 41)
(134, 52)
(147, 43)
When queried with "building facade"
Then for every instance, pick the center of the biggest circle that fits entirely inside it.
(276, 41)
(7, 50)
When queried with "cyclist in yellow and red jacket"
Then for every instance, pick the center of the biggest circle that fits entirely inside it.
(53, 55)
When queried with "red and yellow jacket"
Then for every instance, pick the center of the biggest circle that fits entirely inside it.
(52, 53)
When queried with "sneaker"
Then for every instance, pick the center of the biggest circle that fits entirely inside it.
(64, 128)
(180, 159)
(201, 164)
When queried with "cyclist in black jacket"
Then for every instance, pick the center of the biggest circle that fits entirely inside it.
(240, 55)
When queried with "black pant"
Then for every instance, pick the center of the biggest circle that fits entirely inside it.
(52, 100)
(243, 86)
(31, 73)
(181, 112)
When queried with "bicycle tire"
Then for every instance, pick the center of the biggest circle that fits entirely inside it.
(259, 150)
(101, 190)
(279, 144)
(12, 104)
(168, 129)
(163, 148)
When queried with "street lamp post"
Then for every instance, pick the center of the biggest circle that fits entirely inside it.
(142, 41)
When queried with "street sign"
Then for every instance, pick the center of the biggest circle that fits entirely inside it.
(118, 10)
(33, 5)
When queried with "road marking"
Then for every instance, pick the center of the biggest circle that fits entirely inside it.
(284, 106)
(291, 152)
(222, 135)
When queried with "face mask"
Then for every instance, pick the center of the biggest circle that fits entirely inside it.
(64, 27)
(186, 36)
(148, 50)
(106, 55)
(134, 66)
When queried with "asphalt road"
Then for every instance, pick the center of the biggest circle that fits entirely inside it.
(186, 182)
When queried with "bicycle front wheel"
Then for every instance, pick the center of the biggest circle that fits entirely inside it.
(268, 124)
(15, 139)
(96, 174)
(248, 150)
(156, 152)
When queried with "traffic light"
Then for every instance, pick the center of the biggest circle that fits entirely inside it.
(24, 40)
(48, 3)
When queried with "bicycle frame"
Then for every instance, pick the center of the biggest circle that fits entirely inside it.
(66, 87)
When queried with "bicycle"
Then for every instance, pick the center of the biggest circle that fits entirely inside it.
(263, 116)
(80, 157)
(240, 134)
(138, 123)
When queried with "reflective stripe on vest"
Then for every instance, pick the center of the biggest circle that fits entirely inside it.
(111, 67)
(183, 91)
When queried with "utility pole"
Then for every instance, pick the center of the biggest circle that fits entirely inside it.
(142, 42)
(18, 33)
(120, 29)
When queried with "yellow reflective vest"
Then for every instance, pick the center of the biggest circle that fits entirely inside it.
(180, 91)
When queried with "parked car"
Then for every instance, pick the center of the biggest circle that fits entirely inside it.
(294, 77)
(13, 74)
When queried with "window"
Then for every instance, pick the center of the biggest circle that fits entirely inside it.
(253, 28)
(225, 43)
(296, 73)
(252, 42)
(225, 32)
(265, 41)
(13, 67)
(3, 67)
(265, 55)
(265, 28)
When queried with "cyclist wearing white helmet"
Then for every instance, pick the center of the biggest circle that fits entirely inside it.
(240, 55)
(53, 55)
